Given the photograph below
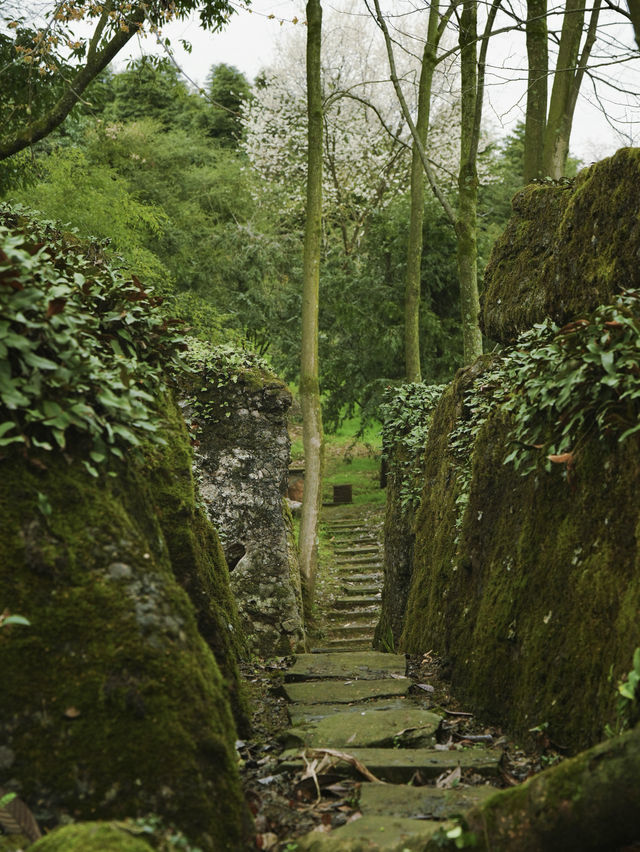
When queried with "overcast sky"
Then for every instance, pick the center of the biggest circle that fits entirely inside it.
(250, 39)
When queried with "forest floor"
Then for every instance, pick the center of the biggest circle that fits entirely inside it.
(288, 801)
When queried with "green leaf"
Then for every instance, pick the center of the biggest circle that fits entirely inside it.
(43, 504)
(15, 619)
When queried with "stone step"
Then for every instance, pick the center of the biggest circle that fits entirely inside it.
(357, 551)
(399, 765)
(301, 714)
(359, 560)
(354, 601)
(360, 588)
(344, 645)
(420, 802)
(337, 692)
(371, 834)
(408, 727)
(371, 665)
(374, 577)
(368, 614)
(349, 630)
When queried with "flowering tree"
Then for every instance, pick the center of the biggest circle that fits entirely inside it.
(366, 146)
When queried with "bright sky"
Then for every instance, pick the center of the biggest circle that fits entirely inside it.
(249, 41)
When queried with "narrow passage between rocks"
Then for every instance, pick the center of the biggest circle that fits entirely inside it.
(366, 764)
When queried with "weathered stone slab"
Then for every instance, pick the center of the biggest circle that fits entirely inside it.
(420, 802)
(349, 603)
(408, 727)
(398, 765)
(335, 692)
(348, 630)
(372, 834)
(369, 665)
(301, 714)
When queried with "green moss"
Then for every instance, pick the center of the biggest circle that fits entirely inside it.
(196, 555)
(586, 803)
(91, 837)
(117, 706)
(567, 249)
(540, 596)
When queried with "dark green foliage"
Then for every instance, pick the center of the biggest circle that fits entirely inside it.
(81, 346)
(362, 314)
(406, 417)
(227, 89)
(151, 88)
(572, 381)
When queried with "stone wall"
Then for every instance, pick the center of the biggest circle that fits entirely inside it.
(242, 462)
(528, 586)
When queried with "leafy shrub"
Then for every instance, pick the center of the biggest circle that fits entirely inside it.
(406, 416)
(81, 347)
(567, 383)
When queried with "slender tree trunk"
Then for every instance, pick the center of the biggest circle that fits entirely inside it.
(634, 12)
(312, 436)
(414, 251)
(468, 184)
(538, 61)
(558, 130)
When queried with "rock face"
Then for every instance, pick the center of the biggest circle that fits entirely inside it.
(567, 249)
(529, 585)
(113, 703)
(242, 465)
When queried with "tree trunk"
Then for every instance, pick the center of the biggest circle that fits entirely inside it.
(309, 383)
(468, 184)
(558, 130)
(634, 12)
(538, 61)
(414, 250)
(587, 803)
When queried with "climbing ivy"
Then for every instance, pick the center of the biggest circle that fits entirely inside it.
(406, 414)
(82, 346)
(569, 382)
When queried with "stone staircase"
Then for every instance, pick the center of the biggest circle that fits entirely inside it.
(353, 715)
(354, 612)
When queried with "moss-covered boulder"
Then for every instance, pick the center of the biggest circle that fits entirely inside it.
(91, 837)
(113, 704)
(566, 249)
(238, 411)
(528, 586)
(116, 705)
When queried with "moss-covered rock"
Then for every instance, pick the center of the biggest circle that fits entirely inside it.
(196, 555)
(91, 837)
(586, 804)
(114, 704)
(239, 411)
(566, 249)
(528, 586)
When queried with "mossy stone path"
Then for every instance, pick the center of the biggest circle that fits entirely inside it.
(355, 702)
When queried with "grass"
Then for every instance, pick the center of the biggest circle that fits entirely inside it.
(348, 460)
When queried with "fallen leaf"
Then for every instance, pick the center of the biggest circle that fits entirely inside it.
(72, 713)
(349, 758)
(266, 841)
(449, 779)
(426, 686)
(562, 458)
